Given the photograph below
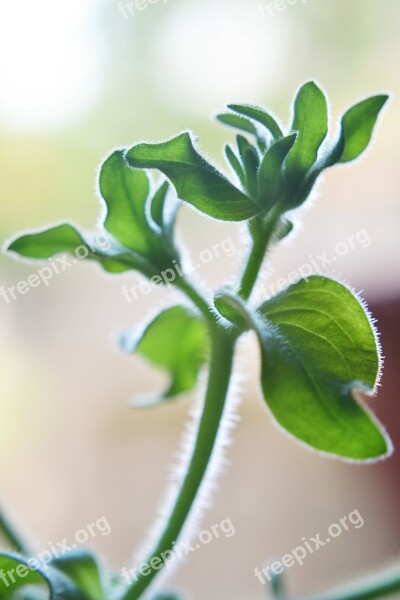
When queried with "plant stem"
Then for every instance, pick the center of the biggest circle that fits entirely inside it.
(222, 349)
(196, 298)
(11, 536)
(384, 585)
(257, 254)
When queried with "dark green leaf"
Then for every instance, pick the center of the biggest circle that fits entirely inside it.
(357, 126)
(176, 340)
(235, 164)
(237, 122)
(270, 176)
(82, 568)
(311, 121)
(318, 349)
(196, 181)
(251, 161)
(243, 145)
(157, 207)
(66, 239)
(260, 116)
(19, 573)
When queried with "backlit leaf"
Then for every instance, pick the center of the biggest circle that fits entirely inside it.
(195, 179)
(310, 120)
(176, 340)
(318, 351)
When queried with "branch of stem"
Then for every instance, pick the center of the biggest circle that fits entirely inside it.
(260, 246)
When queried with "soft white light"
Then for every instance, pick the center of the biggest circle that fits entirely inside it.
(49, 61)
(210, 52)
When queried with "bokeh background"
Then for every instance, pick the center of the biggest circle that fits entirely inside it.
(78, 78)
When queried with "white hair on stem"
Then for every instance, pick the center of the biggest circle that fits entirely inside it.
(217, 466)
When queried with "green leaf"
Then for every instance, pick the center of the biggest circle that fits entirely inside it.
(196, 180)
(311, 121)
(251, 161)
(318, 349)
(176, 340)
(47, 243)
(243, 145)
(157, 208)
(260, 116)
(66, 239)
(270, 176)
(238, 122)
(19, 573)
(234, 309)
(82, 568)
(235, 164)
(284, 228)
(163, 213)
(140, 226)
(357, 126)
(125, 192)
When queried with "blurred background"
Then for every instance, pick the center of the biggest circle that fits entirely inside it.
(78, 78)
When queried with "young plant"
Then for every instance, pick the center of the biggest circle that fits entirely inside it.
(317, 342)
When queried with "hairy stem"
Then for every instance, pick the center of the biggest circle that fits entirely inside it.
(222, 350)
(258, 251)
(9, 534)
(196, 298)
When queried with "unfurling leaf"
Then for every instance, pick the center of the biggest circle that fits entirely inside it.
(318, 349)
(260, 116)
(162, 215)
(238, 122)
(250, 161)
(195, 179)
(271, 181)
(176, 340)
(235, 164)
